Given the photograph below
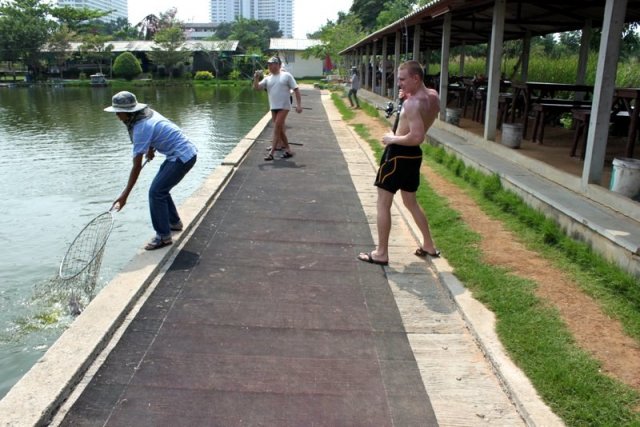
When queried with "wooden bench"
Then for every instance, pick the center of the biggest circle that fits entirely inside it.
(544, 109)
(581, 122)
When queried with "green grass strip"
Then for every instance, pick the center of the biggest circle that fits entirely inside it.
(347, 114)
(533, 333)
(531, 330)
(617, 291)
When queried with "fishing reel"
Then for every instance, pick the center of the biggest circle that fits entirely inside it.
(389, 109)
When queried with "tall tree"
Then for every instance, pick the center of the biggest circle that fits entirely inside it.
(96, 48)
(223, 31)
(630, 41)
(393, 11)
(170, 50)
(255, 34)
(60, 46)
(251, 34)
(77, 20)
(367, 11)
(24, 28)
(120, 29)
(336, 37)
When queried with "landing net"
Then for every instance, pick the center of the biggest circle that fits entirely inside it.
(81, 264)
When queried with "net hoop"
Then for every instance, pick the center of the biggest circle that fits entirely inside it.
(70, 267)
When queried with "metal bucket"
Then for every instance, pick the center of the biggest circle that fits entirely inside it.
(453, 116)
(625, 177)
(512, 134)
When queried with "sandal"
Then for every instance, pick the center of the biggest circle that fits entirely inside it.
(176, 227)
(157, 243)
(286, 155)
(367, 257)
(268, 157)
(422, 253)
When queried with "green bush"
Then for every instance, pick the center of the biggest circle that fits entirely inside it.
(82, 76)
(204, 75)
(234, 75)
(127, 66)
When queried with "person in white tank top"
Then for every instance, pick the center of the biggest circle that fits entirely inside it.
(278, 85)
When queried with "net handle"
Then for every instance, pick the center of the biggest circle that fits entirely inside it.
(116, 206)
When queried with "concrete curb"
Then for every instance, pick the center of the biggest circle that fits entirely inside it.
(481, 322)
(36, 397)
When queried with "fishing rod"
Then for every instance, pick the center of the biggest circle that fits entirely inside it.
(397, 120)
(269, 141)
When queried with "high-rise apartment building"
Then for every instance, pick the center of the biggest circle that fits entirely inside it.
(119, 7)
(276, 10)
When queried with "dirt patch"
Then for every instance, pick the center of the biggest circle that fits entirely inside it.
(592, 329)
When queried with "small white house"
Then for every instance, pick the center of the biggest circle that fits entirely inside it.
(199, 30)
(290, 52)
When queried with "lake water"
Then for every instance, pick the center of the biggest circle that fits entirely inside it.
(64, 162)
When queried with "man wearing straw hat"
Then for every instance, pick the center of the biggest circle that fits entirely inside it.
(149, 132)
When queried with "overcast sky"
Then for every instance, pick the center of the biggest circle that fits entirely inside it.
(308, 15)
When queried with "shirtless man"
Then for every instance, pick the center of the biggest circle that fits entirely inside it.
(400, 164)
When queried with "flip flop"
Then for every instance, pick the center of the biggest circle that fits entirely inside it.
(269, 157)
(286, 155)
(422, 253)
(368, 258)
(157, 243)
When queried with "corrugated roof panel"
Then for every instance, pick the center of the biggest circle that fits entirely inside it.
(147, 45)
(292, 44)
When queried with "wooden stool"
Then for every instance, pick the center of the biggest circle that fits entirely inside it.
(581, 123)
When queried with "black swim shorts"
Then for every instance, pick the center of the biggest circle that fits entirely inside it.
(400, 170)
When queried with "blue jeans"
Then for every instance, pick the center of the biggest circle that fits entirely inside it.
(163, 210)
(353, 92)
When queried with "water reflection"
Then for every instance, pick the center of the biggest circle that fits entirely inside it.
(65, 160)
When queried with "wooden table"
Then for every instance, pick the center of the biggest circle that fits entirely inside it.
(461, 94)
(628, 99)
(532, 92)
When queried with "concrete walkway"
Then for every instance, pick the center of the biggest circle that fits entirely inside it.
(263, 316)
